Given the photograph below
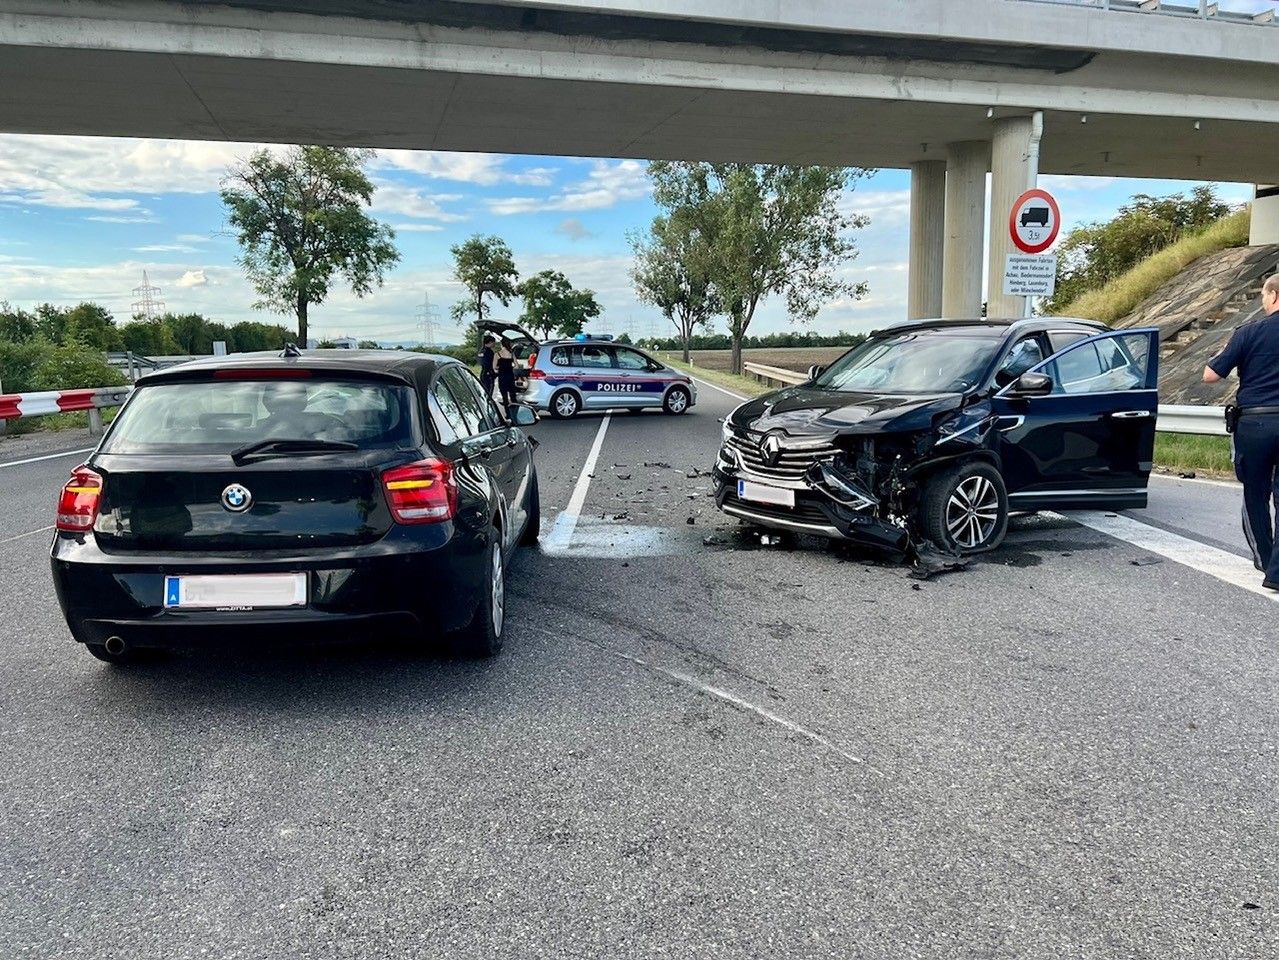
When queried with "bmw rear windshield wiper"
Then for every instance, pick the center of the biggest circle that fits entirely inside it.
(278, 447)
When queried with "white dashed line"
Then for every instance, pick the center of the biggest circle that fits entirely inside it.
(707, 383)
(29, 533)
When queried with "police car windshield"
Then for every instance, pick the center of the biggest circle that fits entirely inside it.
(230, 415)
(915, 361)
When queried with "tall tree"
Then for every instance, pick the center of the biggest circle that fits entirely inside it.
(771, 231)
(486, 267)
(301, 219)
(552, 304)
(672, 272)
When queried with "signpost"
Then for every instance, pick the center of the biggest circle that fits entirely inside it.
(1034, 224)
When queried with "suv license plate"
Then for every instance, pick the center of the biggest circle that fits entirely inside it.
(235, 591)
(762, 493)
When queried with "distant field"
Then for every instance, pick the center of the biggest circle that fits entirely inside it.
(788, 358)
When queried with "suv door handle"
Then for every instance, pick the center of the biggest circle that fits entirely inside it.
(1131, 414)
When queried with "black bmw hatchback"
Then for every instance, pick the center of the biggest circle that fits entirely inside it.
(333, 492)
(936, 430)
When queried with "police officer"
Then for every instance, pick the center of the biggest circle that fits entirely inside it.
(1254, 352)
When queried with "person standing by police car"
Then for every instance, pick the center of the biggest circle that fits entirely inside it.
(506, 372)
(1253, 350)
(488, 365)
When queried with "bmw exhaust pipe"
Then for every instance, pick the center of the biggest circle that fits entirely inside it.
(115, 646)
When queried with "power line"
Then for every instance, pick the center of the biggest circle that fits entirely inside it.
(429, 317)
(148, 305)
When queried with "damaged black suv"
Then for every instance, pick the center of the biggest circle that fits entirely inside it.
(934, 430)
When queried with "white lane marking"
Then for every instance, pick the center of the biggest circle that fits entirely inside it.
(1227, 567)
(562, 533)
(29, 533)
(51, 456)
(1228, 484)
(707, 383)
(718, 693)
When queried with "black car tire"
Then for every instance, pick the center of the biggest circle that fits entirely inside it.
(561, 398)
(533, 529)
(965, 508)
(680, 406)
(482, 637)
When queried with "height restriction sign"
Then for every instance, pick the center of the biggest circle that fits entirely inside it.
(1035, 221)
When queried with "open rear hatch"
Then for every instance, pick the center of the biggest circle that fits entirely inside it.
(234, 464)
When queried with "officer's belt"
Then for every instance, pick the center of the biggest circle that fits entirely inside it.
(1257, 411)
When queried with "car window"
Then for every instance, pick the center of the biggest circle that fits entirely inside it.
(629, 359)
(493, 418)
(561, 357)
(1102, 366)
(466, 402)
(218, 416)
(446, 415)
(592, 356)
(1025, 354)
(1059, 340)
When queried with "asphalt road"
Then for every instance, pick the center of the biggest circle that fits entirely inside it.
(687, 749)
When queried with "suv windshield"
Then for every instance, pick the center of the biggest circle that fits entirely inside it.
(225, 415)
(918, 361)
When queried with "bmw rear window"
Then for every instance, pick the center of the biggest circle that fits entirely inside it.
(222, 415)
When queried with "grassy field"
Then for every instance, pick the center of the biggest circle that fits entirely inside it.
(788, 358)
(1187, 452)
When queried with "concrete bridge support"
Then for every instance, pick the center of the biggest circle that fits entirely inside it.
(927, 239)
(966, 166)
(1014, 170)
(1265, 215)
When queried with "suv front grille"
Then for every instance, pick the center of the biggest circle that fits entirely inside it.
(792, 462)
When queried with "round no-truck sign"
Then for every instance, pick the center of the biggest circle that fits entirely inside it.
(1035, 221)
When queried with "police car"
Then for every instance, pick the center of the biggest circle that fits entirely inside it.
(566, 377)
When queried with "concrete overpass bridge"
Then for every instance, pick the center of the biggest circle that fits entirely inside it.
(951, 90)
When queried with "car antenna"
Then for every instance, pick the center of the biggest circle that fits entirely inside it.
(291, 350)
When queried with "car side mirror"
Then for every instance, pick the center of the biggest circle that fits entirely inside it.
(1033, 385)
(815, 371)
(521, 416)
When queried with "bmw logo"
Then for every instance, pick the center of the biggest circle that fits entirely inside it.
(237, 498)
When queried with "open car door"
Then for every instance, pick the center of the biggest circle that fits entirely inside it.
(1078, 430)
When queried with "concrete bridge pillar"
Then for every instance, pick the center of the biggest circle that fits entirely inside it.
(927, 239)
(1265, 216)
(966, 166)
(1014, 170)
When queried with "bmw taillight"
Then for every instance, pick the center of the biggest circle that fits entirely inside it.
(422, 492)
(78, 505)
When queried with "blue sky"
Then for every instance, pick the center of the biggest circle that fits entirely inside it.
(82, 218)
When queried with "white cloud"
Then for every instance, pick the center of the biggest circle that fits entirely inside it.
(884, 207)
(143, 217)
(609, 183)
(484, 169)
(404, 201)
(417, 227)
(193, 238)
(192, 278)
(165, 248)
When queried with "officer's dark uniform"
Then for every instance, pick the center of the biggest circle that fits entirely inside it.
(487, 374)
(1254, 351)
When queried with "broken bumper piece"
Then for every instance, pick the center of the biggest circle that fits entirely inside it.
(828, 503)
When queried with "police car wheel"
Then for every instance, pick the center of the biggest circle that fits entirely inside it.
(564, 405)
(676, 401)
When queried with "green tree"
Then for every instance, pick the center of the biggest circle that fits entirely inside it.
(551, 303)
(770, 231)
(672, 271)
(16, 326)
(486, 267)
(151, 338)
(369, 345)
(1095, 253)
(300, 220)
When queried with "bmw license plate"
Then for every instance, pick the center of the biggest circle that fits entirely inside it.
(762, 493)
(235, 591)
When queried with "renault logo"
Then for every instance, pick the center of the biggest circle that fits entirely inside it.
(237, 498)
(772, 449)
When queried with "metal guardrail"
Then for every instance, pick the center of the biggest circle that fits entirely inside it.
(1266, 14)
(1173, 417)
(134, 365)
(15, 406)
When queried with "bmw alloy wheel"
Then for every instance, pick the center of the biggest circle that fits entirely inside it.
(972, 512)
(497, 591)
